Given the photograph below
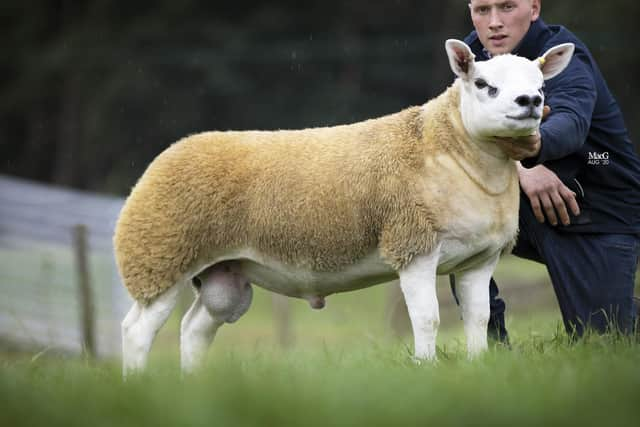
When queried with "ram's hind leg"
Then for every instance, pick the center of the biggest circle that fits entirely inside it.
(197, 330)
(140, 326)
(222, 296)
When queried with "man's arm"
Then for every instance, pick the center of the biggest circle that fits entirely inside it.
(572, 96)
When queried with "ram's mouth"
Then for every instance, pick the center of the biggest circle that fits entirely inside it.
(530, 115)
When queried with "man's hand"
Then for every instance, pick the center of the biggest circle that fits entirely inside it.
(525, 146)
(520, 148)
(547, 193)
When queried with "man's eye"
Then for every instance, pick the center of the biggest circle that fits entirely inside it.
(483, 10)
(508, 6)
(481, 84)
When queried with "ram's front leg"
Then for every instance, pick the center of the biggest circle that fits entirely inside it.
(418, 283)
(473, 292)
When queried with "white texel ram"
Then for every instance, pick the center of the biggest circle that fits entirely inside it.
(312, 212)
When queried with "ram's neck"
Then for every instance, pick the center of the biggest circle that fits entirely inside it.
(445, 135)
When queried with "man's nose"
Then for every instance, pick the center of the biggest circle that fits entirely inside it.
(495, 22)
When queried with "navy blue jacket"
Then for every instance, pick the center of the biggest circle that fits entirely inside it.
(584, 139)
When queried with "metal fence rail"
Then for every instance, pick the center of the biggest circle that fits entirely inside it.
(39, 295)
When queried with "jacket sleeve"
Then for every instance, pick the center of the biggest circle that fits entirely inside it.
(572, 98)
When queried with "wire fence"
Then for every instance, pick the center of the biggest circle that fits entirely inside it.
(40, 294)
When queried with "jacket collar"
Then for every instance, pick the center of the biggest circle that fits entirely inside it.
(534, 41)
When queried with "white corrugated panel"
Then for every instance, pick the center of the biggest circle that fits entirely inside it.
(38, 290)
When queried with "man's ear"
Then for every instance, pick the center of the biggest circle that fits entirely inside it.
(461, 59)
(555, 60)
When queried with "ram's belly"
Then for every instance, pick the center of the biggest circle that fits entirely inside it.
(297, 281)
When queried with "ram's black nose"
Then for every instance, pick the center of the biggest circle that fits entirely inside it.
(527, 101)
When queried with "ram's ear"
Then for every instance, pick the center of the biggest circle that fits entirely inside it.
(461, 59)
(555, 60)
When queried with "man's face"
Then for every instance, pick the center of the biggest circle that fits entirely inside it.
(502, 24)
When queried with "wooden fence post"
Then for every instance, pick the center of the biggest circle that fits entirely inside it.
(87, 319)
(282, 316)
(397, 313)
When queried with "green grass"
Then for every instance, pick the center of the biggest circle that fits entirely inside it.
(345, 368)
(543, 380)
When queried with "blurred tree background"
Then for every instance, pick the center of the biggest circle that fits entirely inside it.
(92, 90)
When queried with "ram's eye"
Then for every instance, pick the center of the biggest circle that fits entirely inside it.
(481, 84)
(493, 91)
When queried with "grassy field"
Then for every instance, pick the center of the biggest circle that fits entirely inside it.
(344, 367)
(543, 379)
